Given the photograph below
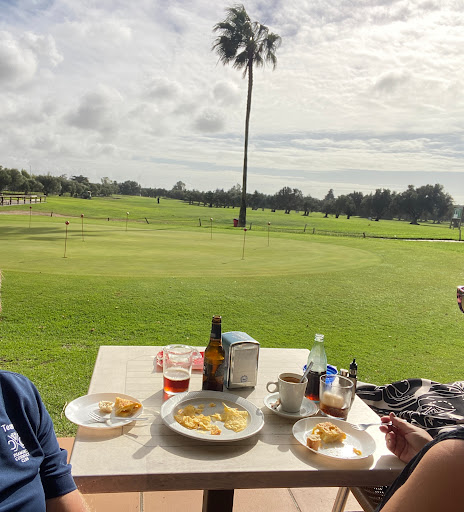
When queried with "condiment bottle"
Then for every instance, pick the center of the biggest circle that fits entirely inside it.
(214, 359)
(353, 377)
(319, 360)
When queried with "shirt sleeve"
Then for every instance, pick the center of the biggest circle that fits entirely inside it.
(55, 472)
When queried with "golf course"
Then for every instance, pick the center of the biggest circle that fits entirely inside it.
(130, 271)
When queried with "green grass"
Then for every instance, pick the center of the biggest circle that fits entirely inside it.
(172, 214)
(391, 304)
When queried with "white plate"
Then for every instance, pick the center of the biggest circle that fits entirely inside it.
(358, 439)
(308, 408)
(78, 410)
(206, 398)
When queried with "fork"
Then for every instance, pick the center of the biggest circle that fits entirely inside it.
(364, 426)
(100, 419)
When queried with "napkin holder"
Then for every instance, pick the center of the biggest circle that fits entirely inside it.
(242, 353)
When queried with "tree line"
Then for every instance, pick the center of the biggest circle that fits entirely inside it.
(427, 202)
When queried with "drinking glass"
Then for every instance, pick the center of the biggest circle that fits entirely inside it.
(335, 396)
(177, 368)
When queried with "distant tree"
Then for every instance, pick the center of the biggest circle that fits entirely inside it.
(412, 204)
(381, 202)
(51, 184)
(310, 204)
(442, 204)
(357, 198)
(129, 188)
(5, 178)
(178, 190)
(328, 203)
(209, 198)
(245, 44)
(257, 200)
(366, 206)
(344, 204)
(288, 199)
(108, 187)
(234, 194)
(17, 180)
(81, 179)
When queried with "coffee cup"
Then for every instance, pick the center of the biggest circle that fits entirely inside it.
(291, 390)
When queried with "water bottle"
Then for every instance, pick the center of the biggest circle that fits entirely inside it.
(319, 359)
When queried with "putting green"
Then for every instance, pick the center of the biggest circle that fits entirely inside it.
(110, 250)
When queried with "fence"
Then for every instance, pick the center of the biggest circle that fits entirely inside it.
(11, 200)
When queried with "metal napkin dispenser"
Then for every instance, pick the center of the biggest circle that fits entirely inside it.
(242, 353)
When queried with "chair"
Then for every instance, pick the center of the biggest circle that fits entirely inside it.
(368, 497)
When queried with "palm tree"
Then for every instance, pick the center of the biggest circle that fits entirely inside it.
(245, 43)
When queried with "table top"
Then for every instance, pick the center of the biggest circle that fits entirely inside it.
(148, 456)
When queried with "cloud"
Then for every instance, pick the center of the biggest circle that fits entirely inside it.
(97, 110)
(209, 121)
(20, 57)
(162, 89)
(226, 93)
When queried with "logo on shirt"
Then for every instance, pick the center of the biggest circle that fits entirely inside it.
(20, 453)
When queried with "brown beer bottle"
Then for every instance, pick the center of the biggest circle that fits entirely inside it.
(214, 362)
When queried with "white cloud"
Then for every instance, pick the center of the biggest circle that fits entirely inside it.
(97, 110)
(20, 57)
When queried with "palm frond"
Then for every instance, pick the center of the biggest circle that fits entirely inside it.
(242, 41)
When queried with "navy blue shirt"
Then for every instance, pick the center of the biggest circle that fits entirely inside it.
(33, 467)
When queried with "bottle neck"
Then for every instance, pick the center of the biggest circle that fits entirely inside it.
(215, 333)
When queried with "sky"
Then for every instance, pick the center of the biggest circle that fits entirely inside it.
(366, 94)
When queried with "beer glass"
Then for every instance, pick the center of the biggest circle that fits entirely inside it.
(177, 368)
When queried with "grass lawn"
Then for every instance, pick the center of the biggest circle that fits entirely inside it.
(389, 303)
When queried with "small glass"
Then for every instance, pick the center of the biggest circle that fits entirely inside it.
(177, 368)
(335, 396)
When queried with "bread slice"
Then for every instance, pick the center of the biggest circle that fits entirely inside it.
(124, 407)
(314, 441)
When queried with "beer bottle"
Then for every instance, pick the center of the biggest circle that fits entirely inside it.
(214, 361)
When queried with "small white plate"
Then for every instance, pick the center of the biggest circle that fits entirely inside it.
(78, 410)
(207, 398)
(358, 439)
(308, 408)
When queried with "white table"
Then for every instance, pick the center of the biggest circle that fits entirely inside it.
(148, 456)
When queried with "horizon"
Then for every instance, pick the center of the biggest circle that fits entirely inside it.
(363, 96)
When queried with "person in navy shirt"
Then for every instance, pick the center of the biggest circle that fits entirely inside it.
(34, 473)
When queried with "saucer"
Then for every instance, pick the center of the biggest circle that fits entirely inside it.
(308, 408)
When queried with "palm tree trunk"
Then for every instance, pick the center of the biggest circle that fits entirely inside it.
(243, 202)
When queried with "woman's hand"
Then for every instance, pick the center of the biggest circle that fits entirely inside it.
(402, 438)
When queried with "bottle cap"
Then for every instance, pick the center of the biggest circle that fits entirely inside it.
(343, 372)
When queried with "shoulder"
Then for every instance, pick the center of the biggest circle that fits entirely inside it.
(16, 386)
(450, 450)
(443, 464)
(15, 380)
(433, 483)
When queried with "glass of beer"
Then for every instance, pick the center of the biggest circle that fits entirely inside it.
(177, 368)
(335, 396)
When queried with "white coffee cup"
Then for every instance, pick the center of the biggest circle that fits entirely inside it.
(291, 391)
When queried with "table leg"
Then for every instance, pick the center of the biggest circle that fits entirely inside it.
(218, 501)
(341, 499)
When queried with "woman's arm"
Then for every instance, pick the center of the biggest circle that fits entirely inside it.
(436, 482)
(71, 502)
